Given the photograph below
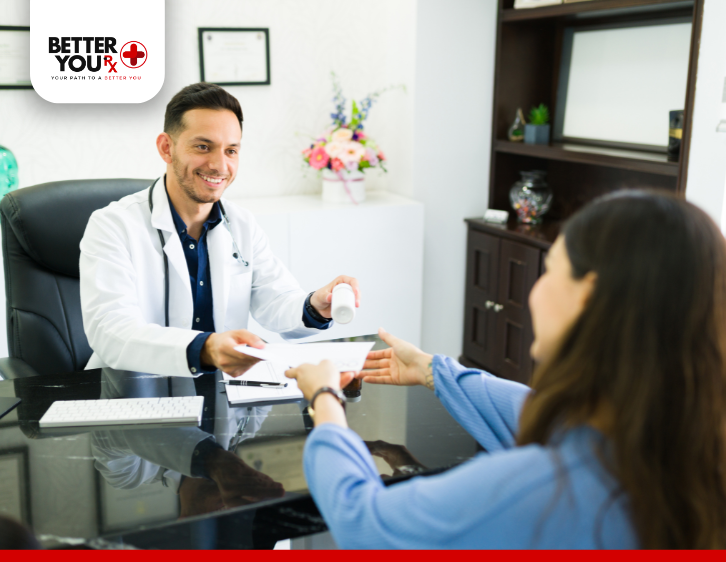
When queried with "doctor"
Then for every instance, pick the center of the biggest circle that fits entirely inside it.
(169, 275)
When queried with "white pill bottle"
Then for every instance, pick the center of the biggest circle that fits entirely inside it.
(343, 303)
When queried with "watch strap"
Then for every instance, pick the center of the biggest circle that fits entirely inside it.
(313, 312)
(326, 390)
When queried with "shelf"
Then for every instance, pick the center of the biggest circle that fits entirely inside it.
(592, 8)
(648, 162)
(541, 235)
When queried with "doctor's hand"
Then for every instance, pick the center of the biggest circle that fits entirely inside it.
(323, 297)
(219, 352)
(402, 364)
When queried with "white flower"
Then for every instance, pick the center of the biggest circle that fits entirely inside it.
(334, 149)
(342, 135)
(352, 152)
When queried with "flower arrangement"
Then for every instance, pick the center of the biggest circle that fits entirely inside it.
(344, 146)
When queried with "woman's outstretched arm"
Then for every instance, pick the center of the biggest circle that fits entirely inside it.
(486, 406)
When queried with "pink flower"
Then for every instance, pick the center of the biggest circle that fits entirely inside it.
(306, 153)
(336, 165)
(361, 135)
(351, 152)
(381, 156)
(352, 165)
(319, 158)
(371, 157)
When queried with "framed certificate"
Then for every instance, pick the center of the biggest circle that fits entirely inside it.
(14, 485)
(235, 56)
(15, 58)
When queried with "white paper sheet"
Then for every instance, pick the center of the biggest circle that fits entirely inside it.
(265, 371)
(347, 356)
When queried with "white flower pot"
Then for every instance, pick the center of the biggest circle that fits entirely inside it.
(335, 184)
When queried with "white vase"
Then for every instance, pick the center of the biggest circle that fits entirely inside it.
(335, 184)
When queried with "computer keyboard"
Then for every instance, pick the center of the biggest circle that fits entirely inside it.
(176, 411)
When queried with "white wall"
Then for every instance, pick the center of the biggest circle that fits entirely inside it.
(369, 45)
(707, 161)
(455, 45)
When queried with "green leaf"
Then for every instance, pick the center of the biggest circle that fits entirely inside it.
(354, 121)
(539, 115)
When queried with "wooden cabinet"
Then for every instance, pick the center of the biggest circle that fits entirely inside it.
(502, 267)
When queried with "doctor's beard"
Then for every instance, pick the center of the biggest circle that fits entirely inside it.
(186, 182)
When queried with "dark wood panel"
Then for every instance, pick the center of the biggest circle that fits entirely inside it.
(573, 184)
(482, 278)
(639, 161)
(519, 267)
(482, 267)
(540, 236)
(690, 95)
(479, 335)
(526, 56)
(591, 8)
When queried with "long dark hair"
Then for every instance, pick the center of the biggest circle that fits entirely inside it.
(650, 349)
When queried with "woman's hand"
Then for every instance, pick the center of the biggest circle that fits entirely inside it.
(310, 378)
(402, 364)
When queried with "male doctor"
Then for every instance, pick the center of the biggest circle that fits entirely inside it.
(186, 317)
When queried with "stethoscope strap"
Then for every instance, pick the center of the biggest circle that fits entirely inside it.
(236, 255)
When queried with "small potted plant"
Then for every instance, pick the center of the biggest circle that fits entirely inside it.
(537, 130)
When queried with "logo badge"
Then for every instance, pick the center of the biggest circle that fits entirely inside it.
(133, 54)
(78, 57)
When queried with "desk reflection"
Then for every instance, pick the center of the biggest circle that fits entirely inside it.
(131, 458)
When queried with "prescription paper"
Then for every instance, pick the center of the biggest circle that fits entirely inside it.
(346, 356)
(264, 371)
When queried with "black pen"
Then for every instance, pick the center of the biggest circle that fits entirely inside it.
(256, 383)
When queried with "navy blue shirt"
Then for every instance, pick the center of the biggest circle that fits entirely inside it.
(197, 258)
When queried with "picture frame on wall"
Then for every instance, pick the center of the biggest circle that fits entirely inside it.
(15, 484)
(15, 58)
(234, 56)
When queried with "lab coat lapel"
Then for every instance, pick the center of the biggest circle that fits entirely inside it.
(180, 313)
(219, 245)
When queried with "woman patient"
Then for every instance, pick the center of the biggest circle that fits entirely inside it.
(619, 442)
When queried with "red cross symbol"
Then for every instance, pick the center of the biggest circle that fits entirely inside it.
(131, 57)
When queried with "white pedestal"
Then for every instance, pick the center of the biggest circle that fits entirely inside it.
(380, 242)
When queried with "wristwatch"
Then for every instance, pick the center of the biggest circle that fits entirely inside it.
(313, 312)
(334, 391)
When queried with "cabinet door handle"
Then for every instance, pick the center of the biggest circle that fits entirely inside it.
(489, 304)
(498, 307)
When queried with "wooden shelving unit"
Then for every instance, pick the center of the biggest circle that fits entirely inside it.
(504, 262)
(529, 49)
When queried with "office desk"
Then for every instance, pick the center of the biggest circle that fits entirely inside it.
(84, 489)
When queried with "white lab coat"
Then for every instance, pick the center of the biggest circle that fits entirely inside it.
(122, 285)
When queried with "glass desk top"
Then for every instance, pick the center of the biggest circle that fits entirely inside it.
(125, 488)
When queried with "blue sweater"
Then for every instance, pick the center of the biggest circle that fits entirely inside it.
(558, 496)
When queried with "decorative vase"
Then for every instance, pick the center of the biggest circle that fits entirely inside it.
(343, 186)
(8, 172)
(536, 134)
(531, 197)
(516, 131)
